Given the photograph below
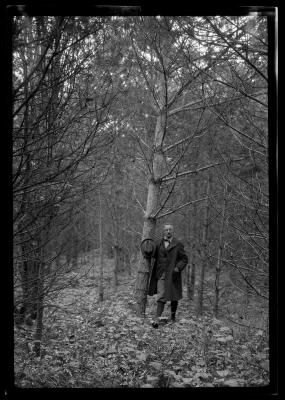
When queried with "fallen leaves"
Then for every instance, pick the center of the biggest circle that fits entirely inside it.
(265, 365)
(202, 375)
(187, 381)
(141, 356)
(111, 344)
(152, 379)
(156, 365)
(223, 373)
(224, 339)
(232, 382)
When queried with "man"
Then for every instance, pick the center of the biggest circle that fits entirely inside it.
(165, 278)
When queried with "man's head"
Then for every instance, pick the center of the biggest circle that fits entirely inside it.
(168, 231)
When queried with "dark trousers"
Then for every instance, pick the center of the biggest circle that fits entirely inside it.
(161, 299)
(160, 308)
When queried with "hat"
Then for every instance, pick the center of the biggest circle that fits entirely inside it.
(148, 247)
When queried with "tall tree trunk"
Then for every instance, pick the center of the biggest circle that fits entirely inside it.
(200, 297)
(116, 265)
(28, 270)
(101, 272)
(149, 226)
(43, 236)
(75, 251)
(29, 279)
(220, 254)
(188, 272)
(116, 247)
(40, 309)
(141, 284)
(118, 215)
(188, 278)
(192, 275)
(192, 263)
(127, 246)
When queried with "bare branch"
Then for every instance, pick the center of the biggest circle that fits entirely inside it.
(194, 171)
(238, 131)
(135, 135)
(166, 200)
(220, 34)
(243, 92)
(184, 140)
(186, 204)
(184, 86)
(233, 264)
(137, 200)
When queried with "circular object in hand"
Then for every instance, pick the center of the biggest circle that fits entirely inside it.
(148, 247)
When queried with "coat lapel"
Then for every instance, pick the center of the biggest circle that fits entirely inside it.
(172, 244)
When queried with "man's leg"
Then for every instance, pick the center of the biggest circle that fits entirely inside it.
(160, 308)
(173, 307)
(160, 300)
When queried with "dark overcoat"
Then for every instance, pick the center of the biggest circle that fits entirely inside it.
(175, 257)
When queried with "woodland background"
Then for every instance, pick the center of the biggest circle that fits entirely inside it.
(121, 124)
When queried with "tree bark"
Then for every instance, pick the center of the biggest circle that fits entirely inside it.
(220, 256)
(200, 297)
(28, 270)
(74, 251)
(116, 265)
(101, 272)
(192, 275)
(192, 263)
(40, 309)
(29, 280)
(149, 226)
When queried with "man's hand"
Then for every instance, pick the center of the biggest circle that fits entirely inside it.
(175, 272)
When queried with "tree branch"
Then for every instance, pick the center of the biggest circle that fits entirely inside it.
(183, 140)
(242, 92)
(238, 131)
(245, 279)
(184, 205)
(194, 171)
(219, 33)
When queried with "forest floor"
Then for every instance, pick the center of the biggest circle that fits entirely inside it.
(87, 344)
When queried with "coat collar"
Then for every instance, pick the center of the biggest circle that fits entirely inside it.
(172, 244)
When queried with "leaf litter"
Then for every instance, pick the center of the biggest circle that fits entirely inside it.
(112, 347)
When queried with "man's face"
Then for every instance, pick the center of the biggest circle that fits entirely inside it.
(168, 231)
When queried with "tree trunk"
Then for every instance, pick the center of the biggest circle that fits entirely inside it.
(127, 247)
(75, 252)
(192, 263)
(127, 261)
(101, 273)
(149, 226)
(28, 273)
(199, 306)
(141, 284)
(40, 309)
(220, 254)
(192, 275)
(188, 279)
(28, 277)
(116, 265)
